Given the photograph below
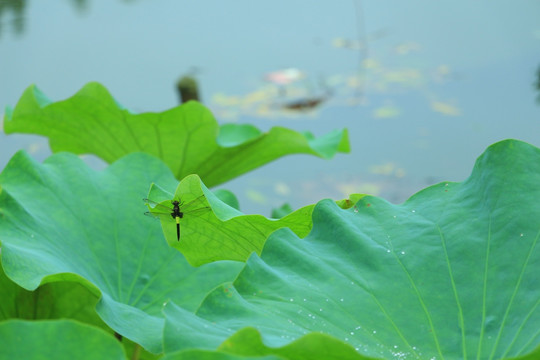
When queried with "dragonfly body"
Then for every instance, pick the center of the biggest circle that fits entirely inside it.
(175, 211)
(177, 215)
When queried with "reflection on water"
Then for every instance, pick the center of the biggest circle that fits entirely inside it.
(293, 92)
(538, 84)
(421, 97)
(13, 10)
(12, 14)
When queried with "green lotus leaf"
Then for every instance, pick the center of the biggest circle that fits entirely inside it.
(62, 221)
(248, 341)
(56, 300)
(247, 344)
(212, 230)
(282, 211)
(187, 138)
(213, 355)
(450, 274)
(227, 197)
(56, 339)
(51, 301)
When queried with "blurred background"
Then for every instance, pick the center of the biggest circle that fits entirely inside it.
(423, 87)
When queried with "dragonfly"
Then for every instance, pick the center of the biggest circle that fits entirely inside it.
(177, 210)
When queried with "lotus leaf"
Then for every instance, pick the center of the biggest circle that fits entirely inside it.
(187, 138)
(450, 274)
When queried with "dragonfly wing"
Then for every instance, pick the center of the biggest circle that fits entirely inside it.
(194, 207)
(157, 215)
(158, 208)
(197, 211)
(194, 204)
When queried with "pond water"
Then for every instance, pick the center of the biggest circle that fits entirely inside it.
(423, 89)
